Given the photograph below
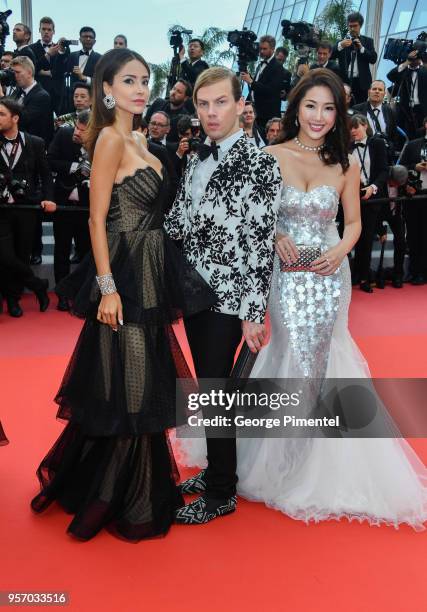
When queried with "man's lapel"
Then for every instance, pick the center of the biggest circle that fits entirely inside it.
(228, 161)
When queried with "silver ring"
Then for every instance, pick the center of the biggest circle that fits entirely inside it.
(328, 262)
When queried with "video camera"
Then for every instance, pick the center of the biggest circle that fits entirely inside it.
(4, 28)
(398, 49)
(247, 48)
(176, 40)
(304, 36)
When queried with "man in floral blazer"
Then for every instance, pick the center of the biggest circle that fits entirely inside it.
(225, 215)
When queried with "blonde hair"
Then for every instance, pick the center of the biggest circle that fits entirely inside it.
(215, 75)
(25, 62)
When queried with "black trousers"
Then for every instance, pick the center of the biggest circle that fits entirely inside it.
(66, 226)
(370, 211)
(410, 119)
(415, 212)
(359, 90)
(16, 232)
(395, 220)
(213, 338)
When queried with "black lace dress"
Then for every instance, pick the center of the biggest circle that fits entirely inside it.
(113, 465)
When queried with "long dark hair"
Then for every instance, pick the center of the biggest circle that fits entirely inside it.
(337, 140)
(105, 71)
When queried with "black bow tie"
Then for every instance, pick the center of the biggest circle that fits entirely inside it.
(360, 145)
(84, 53)
(11, 141)
(205, 150)
(47, 45)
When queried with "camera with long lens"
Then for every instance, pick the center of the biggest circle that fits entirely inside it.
(7, 77)
(303, 36)
(82, 172)
(67, 42)
(398, 49)
(4, 28)
(17, 188)
(247, 47)
(195, 141)
(176, 41)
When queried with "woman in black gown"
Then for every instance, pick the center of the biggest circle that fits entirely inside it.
(113, 466)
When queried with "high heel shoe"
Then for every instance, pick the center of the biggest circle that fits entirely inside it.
(366, 287)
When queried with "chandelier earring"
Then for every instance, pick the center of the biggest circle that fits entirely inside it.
(109, 101)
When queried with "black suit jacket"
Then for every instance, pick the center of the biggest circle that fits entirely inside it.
(69, 60)
(403, 84)
(331, 66)
(190, 72)
(52, 84)
(61, 154)
(26, 52)
(33, 167)
(160, 104)
(267, 91)
(369, 56)
(389, 118)
(37, 117)
(378, 174)
(411, 156)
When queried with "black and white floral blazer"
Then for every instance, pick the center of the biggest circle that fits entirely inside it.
(229, 236)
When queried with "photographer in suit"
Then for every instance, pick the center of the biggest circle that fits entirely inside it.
(281, 54)
(381, 117)
(77, 66)
(120, 42)
(44, 51)
(194, 65)
(82, 100)
(179, 104)
(68, 158)
(410, 86)
(21, 37)
(25, 179)
(323, 53)
(415, 159)
(248, 123)
(266, 84)
(354, 54)
(371, 155)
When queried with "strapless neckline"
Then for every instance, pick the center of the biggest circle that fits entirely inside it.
(313, 189)
(129, 177)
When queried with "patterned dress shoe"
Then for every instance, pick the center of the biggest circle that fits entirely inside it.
(195, 484)
(203, 510)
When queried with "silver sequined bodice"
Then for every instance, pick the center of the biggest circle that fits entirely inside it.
(307, 303)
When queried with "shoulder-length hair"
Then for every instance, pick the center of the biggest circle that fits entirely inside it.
(337, 140)
(106, 69)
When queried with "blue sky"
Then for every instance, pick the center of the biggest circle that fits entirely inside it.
(145, 22)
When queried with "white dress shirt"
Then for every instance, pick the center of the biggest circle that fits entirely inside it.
(360, 154)
(204, 169)
(380, 117)
(355, 65)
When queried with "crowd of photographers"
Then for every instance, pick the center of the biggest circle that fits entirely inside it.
(45, 99)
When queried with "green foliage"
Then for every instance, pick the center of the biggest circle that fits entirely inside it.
(332, 21)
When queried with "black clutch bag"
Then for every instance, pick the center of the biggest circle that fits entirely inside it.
(244, 363)
(307, 254)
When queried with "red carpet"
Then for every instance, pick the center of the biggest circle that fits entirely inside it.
(256, 559)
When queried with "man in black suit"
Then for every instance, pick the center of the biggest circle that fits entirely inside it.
(22, 158)
(36, 118)
(158, 129)
(46, 54)
(281, 54)
(266, 84)
(68, 158)
(194, 65)
(410, 85)
(415, 158)
(21, 37)
(381, 117)
(354, 54)
(78, 65)
(323, 53)
(179, 104)
(371, 155)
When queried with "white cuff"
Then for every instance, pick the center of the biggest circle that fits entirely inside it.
(374, 189)
(73, 167)
(340, 47)
(362, 49)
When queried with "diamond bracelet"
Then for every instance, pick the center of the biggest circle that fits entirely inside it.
(106, 284)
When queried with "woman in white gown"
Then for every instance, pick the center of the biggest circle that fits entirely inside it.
(380, 480)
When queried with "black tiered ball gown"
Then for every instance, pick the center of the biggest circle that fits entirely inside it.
(113, 466)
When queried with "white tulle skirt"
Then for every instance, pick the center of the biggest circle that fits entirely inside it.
(379, 480)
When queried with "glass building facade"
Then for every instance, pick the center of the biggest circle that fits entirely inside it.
(399, 19)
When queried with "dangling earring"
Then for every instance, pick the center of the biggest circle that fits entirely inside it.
(109, 101)
(296, 121)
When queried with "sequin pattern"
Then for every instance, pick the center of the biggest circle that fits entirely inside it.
(309, 302)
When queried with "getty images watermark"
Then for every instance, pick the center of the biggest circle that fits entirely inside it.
(324, 408)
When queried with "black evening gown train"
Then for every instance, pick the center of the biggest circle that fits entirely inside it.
(113, 465)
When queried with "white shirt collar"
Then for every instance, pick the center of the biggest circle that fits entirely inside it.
(379, 107)
(226, 144)
(28, 89)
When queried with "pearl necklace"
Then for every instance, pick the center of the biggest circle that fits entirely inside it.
(307, 148)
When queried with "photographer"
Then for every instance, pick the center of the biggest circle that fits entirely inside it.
(81, 101)
(76, 66)
(415, 211)
(192, 67)
(120, 42)
(8, 84)
(25, 178)
(371, 155)
(281, 54)
(179, 104)
(272, 129)
(410, 87)
(68, 159)
(189, 142)
(21, 37)
(250, 128)
(266, 85)
(354, 54)
(45, 62)
(323, 53)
